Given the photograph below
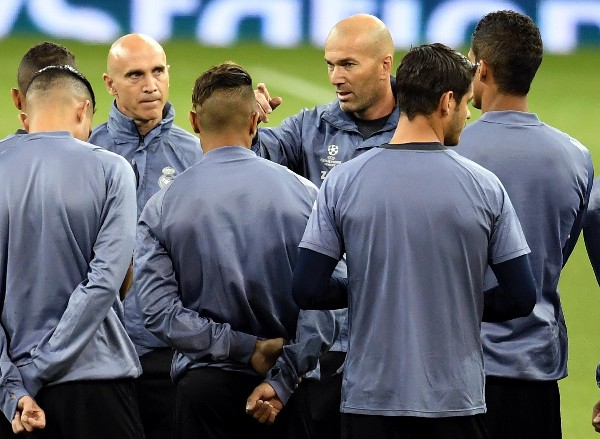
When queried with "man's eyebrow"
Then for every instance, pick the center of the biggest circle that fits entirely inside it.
(133, 72)
(341, 61)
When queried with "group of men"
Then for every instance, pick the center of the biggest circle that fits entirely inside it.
(353, 310)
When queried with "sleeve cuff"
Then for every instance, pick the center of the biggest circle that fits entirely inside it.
(283, 381)
(241, 347)
(12, 399)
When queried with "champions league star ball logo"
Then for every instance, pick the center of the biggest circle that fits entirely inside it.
(332, 149)
(168, 175)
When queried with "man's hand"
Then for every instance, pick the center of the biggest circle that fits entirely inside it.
(263, 404)
(264, 103)
(596, 417)
(127, 282)
(29, 416)
(265, 354)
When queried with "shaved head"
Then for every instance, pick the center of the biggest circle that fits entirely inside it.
(132, 45)
(59, 98)
(365, 31)
(359, 52)
(138, 77)
(224, 105)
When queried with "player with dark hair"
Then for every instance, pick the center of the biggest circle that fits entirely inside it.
(548, 176)
(416, 263)
(67, 218)
(141, 128)
(210, 283)
(36, 58)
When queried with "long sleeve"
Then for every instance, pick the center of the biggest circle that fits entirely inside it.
(591, 229)
(11, 384)
(580, 219)
(282, 144)
(313, 287)
(164, 313)
(315, 334)
(93, 298)
(515, 296)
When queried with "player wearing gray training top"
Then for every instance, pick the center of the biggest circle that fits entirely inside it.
(419, 225)
(591, 234)
(140, 128)
(211, 284)
(36, 58)
(548, 176)
(591, 228)
(67, 221)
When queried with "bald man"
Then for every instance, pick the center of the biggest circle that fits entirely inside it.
(359, 52)
(211, 283)
(140, 128)
(67, 216)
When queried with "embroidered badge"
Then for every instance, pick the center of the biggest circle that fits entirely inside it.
(168, 175)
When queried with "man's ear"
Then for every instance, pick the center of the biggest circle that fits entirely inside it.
(17, 98)
(108, 82)
(445, 104)
(82, 110)
(24, 119)
(194, 122)
(387, 64)
(254, 124)
(483, 71)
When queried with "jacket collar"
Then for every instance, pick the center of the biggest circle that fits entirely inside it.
(124, 130)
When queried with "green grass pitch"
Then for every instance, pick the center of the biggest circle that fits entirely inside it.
(565, 94)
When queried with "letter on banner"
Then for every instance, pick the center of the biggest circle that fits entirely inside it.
(325, 14)
(281, 21)
(450, 21)
(61, 20)
(156, 19)
(559, 22)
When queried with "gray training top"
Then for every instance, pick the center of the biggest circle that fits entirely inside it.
(67, 223)
(419, 224)
(548, 176)
(214, 258)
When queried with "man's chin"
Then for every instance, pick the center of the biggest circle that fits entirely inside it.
(347, 106)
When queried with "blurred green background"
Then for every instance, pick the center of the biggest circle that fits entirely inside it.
(565, 94)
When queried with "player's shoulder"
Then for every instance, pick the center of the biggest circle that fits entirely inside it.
(566, 139)
(475, 170)
(345, 174)
(9, 141)
(310, 187)
(108, 159)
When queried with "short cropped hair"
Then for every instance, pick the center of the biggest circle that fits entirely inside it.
(427, 72)
(223, 96)
(39, 56)
(225, 76)
(512, 45)
(51, 77)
